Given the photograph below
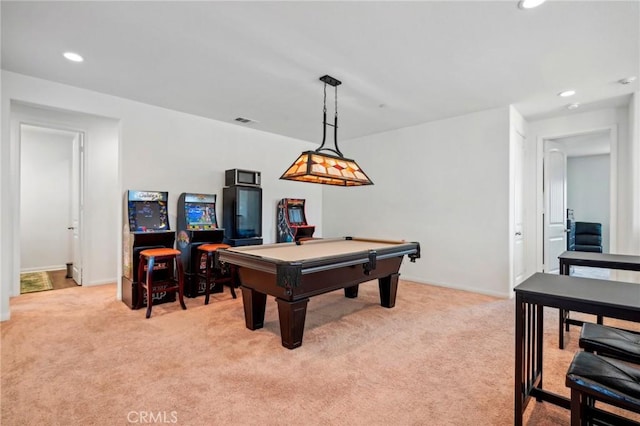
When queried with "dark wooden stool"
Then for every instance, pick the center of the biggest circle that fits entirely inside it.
(594, 378)
(611, 342)
(212, 274)
(174, 281)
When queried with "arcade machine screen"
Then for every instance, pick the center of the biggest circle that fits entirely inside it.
(200, 216)
(295, 216)
(148, 216)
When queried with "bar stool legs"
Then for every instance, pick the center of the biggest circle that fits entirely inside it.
(210, 275)
(174, 282)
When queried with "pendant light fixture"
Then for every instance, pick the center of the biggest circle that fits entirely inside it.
(327, 168)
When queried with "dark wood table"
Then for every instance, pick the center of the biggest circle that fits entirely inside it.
(593, 260)
(611, 299)
(293, 272)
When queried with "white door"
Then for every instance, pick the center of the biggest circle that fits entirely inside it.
(77, 206)
(555, 200)
(517, 148)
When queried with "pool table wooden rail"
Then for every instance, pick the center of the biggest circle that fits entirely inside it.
(289, 273)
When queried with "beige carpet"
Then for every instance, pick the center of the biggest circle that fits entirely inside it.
(441, 357)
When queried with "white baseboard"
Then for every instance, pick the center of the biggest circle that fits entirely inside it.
(458, 287)
(44, 268)
(100, 282)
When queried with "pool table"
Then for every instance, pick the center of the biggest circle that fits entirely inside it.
(293, 272)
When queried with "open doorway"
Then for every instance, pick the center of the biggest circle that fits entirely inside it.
(580, 180)
(50, 208)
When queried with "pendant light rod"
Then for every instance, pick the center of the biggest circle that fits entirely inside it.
(327, 79)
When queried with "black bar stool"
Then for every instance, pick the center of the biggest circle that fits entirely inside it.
(594, 378)
(611, 342)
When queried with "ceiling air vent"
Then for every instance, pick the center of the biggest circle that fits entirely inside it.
(245, 120)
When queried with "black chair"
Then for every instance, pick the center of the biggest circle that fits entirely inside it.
(594, 378)
(588, 237)
(611, 342)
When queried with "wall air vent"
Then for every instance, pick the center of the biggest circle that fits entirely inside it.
(245, 120)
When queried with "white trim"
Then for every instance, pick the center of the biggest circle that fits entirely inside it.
(100, 282)
(477, 289)
(613, 190)
(15, 185)
(613, 185)
(44, 269)
(120, 216)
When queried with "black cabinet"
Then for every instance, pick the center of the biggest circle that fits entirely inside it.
(242, 215)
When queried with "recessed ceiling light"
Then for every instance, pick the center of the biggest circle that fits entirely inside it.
(73, 57)
(627, 80)
(530, 4)
(573, 106)
(567, 93)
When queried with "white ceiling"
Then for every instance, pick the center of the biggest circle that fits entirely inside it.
(594, 143)
(401, 63)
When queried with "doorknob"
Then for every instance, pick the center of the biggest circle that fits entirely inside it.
(71, 227)
(518, 233)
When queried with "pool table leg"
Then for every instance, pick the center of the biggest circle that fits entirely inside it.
(351, 292)
(254, 304)
(292, 316)
(388, 289)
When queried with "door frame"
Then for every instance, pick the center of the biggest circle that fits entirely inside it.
(613, 186)
(16, 131)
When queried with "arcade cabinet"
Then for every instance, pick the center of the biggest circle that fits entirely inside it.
(292, 221)
(242, 208)
(146, 226)
(197, 225)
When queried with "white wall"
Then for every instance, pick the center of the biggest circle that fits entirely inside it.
(158, 149)
(45, 199)
(444, 184)
(588, 191)
(619, 121)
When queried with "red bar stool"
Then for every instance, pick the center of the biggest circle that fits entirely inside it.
(211, 272)
(174, 281)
